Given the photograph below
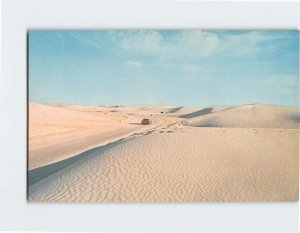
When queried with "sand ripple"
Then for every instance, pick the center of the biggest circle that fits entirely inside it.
(183, 165)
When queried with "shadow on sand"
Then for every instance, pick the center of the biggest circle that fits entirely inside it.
(40, 173)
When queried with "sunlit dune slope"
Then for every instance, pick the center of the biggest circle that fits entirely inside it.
(248, 116)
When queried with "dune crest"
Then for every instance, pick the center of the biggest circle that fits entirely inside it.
(249, 116)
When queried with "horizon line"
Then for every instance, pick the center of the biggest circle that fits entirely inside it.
(165, 105)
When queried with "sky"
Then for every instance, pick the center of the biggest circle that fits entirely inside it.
(164, 67)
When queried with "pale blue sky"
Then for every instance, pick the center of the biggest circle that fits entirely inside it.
(180, 67)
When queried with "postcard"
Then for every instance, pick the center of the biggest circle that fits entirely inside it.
(159, 116)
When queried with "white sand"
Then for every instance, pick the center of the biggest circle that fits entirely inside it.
(60, 132)
(247, 116)
(173, 161)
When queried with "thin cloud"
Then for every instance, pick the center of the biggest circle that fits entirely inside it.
(183, 44)
(248, 43)
(134, 64)
(193, 44)
(88, 41)
(186, 44)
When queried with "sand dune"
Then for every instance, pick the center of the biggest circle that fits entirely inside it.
(251, 155)
(248, 116)
(201, 164)
(179, 111)
(60, 132)
(202, 112)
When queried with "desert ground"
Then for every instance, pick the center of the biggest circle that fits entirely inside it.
(187, 154)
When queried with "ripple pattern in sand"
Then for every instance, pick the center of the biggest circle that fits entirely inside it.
(198, 164)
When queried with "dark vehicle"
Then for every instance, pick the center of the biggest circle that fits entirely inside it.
(146, 121)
